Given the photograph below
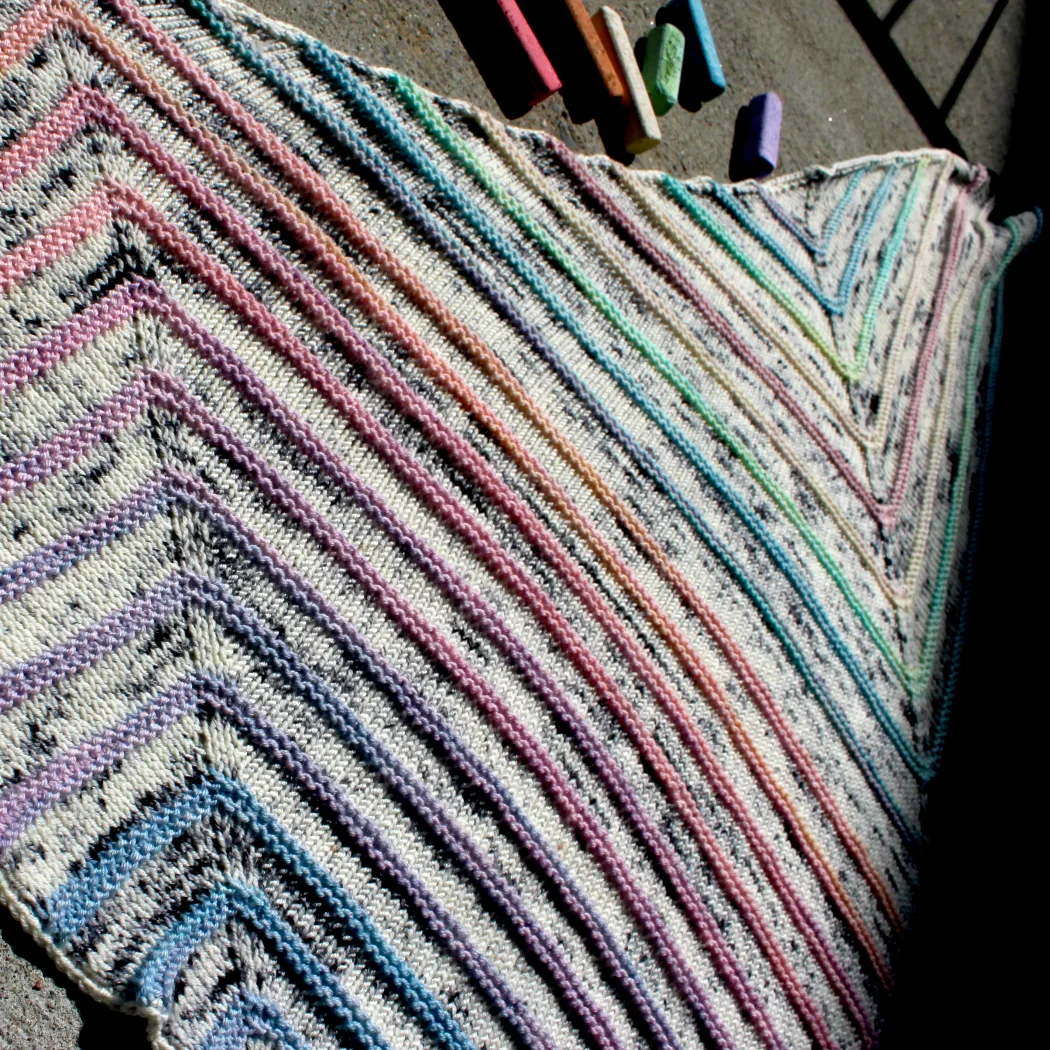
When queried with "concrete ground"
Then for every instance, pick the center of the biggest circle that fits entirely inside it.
(837, 101)
(837, 104)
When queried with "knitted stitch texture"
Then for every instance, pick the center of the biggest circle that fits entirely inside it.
(455, 593)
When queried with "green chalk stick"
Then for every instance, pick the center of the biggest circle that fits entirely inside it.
(662, 71)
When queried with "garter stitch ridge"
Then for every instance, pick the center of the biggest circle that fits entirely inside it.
(456, 593)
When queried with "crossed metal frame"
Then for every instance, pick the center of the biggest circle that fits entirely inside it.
(931, 118)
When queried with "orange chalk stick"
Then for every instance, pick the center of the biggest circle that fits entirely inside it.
(566, 34)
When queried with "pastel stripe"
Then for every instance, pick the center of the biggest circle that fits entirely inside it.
(455, 592)
(384, 378)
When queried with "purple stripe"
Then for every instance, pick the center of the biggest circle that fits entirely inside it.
(118, 628)
(21, 804)
(477, 610)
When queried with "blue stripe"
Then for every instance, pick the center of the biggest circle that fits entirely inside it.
(235, 900)
(251, 1017)
(818, 248)
(836, 305)
(81, 897)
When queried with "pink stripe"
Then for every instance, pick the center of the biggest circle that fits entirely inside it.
(356, 287)
(57, 241)
(130, 206)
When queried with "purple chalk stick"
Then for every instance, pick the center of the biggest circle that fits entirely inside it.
(758, 155)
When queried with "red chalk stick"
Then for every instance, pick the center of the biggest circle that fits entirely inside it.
(548, 80)
(505, 49)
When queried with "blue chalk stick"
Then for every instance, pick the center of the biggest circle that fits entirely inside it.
(702, 76)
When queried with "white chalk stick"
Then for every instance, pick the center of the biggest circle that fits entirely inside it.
(642, 128)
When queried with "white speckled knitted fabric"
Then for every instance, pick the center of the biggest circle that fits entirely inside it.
(455, 593)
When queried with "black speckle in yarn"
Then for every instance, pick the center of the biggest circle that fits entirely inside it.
(160, 637)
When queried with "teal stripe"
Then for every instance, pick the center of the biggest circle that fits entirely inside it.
(319, 57)
(882, 279)
(816, 246)
(833, 223)
(833, 305)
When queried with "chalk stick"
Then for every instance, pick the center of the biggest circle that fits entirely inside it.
(662, 71)
(504, 48)
(641, 128)
(702, 76)
(760, 137)
(566, 34)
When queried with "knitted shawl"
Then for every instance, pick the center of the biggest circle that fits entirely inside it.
(453, 592)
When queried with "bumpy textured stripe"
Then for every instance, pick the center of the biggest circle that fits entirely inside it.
(454, 592)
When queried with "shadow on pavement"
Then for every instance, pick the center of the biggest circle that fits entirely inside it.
(963, 980)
